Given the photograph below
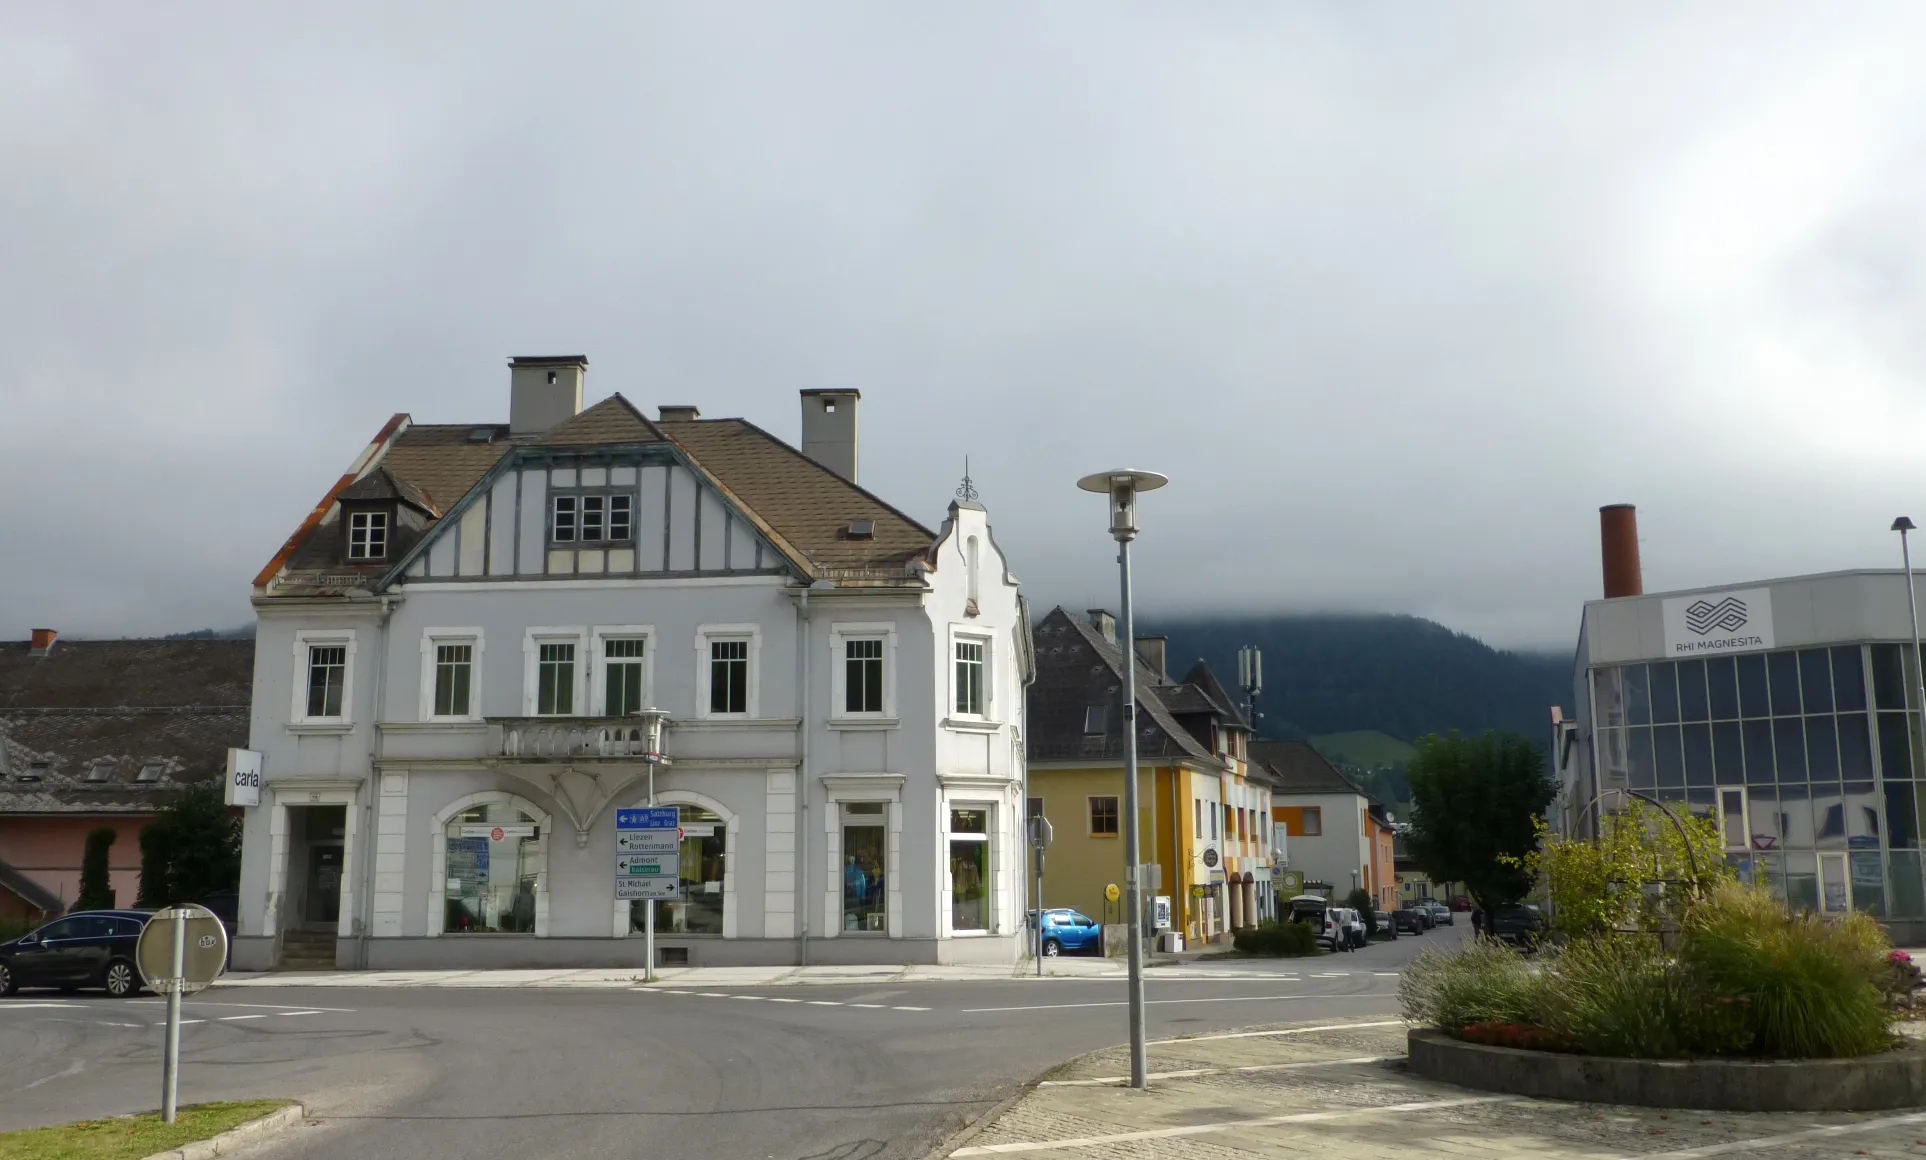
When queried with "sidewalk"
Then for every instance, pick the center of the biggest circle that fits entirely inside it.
(608, 977)
(1340, 1091)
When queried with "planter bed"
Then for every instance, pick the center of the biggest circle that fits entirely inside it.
(1866, 1083)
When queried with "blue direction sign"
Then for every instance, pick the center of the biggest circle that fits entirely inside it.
(648, 846)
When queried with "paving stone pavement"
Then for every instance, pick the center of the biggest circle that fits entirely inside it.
(1341, 1092)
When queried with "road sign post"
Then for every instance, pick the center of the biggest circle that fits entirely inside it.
(1040, 834)
(648, 864)
(181, 950)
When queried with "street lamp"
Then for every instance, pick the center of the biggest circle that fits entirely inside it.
(652, 721)
(1122, 487)
(1902, 525)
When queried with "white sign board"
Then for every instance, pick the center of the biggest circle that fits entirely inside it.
(497, 833)
(648, 853)
(243, 777)
(1718, 622)
(633, 888)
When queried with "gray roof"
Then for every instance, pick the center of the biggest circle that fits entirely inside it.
(30, 892)
(1076, 669)
(112, 708)
(1297, 767)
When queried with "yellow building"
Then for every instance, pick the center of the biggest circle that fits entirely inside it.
(1203, 810)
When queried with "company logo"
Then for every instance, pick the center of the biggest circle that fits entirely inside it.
(1728, 615)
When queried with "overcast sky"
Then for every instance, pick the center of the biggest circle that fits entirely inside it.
(1396, 294)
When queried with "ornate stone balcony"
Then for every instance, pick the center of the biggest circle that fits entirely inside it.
(571, 738)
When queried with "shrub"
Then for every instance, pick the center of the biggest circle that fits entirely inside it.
(1624, 995)
(1276, 939)
(1482, 983)
(1360, 900)
(96, 888)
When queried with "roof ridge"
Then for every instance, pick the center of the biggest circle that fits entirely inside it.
(868, 494)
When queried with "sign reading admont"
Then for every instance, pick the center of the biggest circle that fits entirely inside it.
(1718, 622)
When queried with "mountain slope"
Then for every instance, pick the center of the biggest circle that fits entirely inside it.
(1398, 675)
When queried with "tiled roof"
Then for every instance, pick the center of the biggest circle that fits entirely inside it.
(30, 892)
(382, 484)
(613, 420)
(1076, 669)
(122, 705)
(1205, 680)
(1297, 767)
(445, 460)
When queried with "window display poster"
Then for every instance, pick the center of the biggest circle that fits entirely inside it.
(467, 863)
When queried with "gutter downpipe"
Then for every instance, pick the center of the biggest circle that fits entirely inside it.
(802, 783)
(364, 918)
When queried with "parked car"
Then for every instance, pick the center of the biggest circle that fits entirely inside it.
(1322, 917)
(1518, 923)
(1440, 914)
(1460, 903)
(1353, 925)
(89, 948)
(1411, 919)
(1068, 930)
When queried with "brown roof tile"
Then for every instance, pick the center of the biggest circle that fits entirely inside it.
(442, 459)
(613, 420)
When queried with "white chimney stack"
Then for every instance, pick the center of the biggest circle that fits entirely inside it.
(544, 391)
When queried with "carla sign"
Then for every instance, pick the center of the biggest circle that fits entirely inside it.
(1719, 622)
(243, 777)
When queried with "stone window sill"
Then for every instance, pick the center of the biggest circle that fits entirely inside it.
(971, 725)
(320, 727)
(865, 723)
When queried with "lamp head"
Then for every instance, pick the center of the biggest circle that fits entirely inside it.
(1903, 525)
(1122, 485)
(652, 723)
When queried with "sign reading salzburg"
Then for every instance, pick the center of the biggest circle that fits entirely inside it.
(1718, 622)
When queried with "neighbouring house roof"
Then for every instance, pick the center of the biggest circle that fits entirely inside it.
(1297, 767)
(109, 709)
(1076, 669)
(802, 507)
(1205, 681)
(382, 484)
(30, 892)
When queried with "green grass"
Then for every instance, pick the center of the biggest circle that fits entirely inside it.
(131, 1137)
(1366, 748)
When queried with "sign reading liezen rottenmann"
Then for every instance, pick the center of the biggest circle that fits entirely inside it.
(243, 777)
(648, 846)
(1718, 622)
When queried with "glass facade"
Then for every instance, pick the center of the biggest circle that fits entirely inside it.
(1809, 757)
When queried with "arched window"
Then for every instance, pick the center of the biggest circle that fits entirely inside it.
(494, 863)
(700, 909)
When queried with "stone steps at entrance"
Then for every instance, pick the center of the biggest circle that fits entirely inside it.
(307, 950)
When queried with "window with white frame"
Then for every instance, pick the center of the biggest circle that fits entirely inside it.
(863, 674)
(624, 675)
(454, 678)
(972, 657)
(554, 678)
(327, 680)
(368, 535)
(591, 517)
(969, 836)
(728, 676)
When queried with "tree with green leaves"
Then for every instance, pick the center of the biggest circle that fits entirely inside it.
(1475, 807)
(190, 851)
(1361, 901)
(1641, 872)
(96, 887)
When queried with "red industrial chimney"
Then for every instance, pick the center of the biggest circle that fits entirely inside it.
(42, 642)
(1618, 550)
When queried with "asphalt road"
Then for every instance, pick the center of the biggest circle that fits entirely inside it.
(816, 1072)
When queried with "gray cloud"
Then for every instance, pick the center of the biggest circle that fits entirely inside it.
(1397, 295)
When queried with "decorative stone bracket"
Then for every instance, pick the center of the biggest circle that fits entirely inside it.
(582, 793)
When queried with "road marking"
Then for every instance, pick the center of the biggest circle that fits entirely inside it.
(821, 1003)
(1286, 1031)
(184, 1022)
(909, 1008)
(751, 998)
(1191, 1073)
(297, 1012)
(237, 1018)
(778, 999)
(712, 995)
(245, 1006)
(36, 1006)
(1386, 974)
(1788, 1138)
(1227, 1125)
(872, 1006)
(1154, 1002)
(73, 1068)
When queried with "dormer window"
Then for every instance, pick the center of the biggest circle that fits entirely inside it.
(367, 536)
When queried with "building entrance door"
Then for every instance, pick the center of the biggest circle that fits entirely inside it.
(324, 885)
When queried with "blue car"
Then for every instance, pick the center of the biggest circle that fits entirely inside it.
(1068, 930)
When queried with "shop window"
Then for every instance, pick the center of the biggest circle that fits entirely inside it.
(494, 861)
(970, 869)
(865, 893)
(1103, 817)
(699, 909)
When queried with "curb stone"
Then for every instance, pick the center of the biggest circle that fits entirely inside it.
(236, 1136)
(975, 1127)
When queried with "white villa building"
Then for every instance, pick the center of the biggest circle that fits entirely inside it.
(452, 646)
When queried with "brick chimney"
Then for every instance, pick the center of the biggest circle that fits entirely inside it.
(1104, 622)
(42, 642)
(1618, 550)
(1150, 650)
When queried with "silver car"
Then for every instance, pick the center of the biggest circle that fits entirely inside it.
(1440, 914)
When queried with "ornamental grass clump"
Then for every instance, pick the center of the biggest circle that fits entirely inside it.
(1484, 983)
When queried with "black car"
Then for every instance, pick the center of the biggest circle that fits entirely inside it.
(89, 948)
(1411, 919)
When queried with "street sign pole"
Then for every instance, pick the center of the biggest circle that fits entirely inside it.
(1039, 937)
(648, 909)
(171, 1063)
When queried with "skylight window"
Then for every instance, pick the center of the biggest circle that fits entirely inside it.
(482, 435)
(34, 772)
(862, 529)
(149, 772)
(100, 771)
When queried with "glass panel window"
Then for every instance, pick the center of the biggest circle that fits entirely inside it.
(1783, 669)
(1669, 756)
(865, 896)
(592, 512)
(1802, 881)
(1822, 749)
(1313, 822)
(1692, 702)
(1895, 751)
(1610, 684)
(327, 675)
(1815, 679)
(1753, 701)
(1855, 748)
(1722, 682)
(368, 536)
(1728, 758)
(969, 677)
(1665, 693)
(1789, 740)
(1611, 758)
(1758, 753)
(1833, 890)
(1640, 768)
(622, 673)
(494, 862)
(1698, 754)
(1868, 883)
(699, 910)
(863, 675)
(1848, 679)
(1906, 896)
(1103, 815)
(562, 525)
(1889, 676)
(1902, 818)
(1638, 695)
(728, 676)
(555, 679)
(969, 870)
(454, 670)
(621, 517)
(1732, 819)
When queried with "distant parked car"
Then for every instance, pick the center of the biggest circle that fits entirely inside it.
(1352, 924)
(1068, 930)
(1440, 914)
(1518, 923)
(1460, 903)
(89, 948)
(1411, 919)
(1322, 918)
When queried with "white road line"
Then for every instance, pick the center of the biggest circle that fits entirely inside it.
(871, 1006)
(1788, 1138)
(237, 1018)
(1386, 974)
(779, 999)
(821, 1003)
(711, 995)
(750, 998)
(1154, 1002)
(297, 1012)
(909, 1008)
(197, 1005)
(1191, 1073)
(1286, 1031)
(1227, 1125)
(73, 1068)
(36, 1006)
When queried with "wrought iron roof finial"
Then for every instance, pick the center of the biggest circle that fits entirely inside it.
(967, 492)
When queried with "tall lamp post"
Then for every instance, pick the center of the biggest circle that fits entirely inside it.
(1902, 525)
(1122, 487)
(652, 722)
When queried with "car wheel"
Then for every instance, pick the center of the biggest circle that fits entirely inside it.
(7, 984)
(1052, 948)
(120, 979)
